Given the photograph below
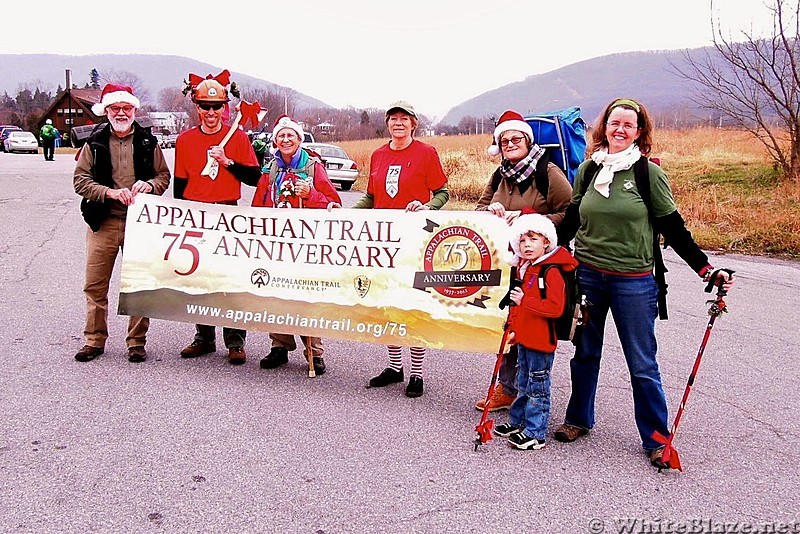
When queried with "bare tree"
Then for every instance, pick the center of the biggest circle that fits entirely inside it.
(754, 82)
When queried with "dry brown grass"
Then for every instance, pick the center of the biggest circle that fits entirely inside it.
(723, 182)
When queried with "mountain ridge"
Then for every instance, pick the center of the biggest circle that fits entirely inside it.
(154, 70)
(648, 76)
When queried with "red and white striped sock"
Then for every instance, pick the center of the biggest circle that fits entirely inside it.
(395, 357)
(417, 359)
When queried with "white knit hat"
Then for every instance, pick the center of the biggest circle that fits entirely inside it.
(285, 121)
(509, 120)
(114, 94)
(532, 222)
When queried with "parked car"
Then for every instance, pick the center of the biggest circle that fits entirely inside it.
(18, 141)
(341, 169)
(166, 140)
(5, 129)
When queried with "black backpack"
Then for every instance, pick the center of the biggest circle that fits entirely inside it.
(567, 326)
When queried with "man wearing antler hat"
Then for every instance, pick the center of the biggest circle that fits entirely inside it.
(119, 160)
(211, 163)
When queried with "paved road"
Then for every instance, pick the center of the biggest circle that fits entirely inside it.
(201, 446)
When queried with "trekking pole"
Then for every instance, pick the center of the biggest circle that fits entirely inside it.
(310, 356)
(669, 456)
(485, 425)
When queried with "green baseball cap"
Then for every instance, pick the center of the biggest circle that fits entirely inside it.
(401, 105)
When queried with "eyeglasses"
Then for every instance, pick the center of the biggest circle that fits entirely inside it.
(512, 140)
(127, 110)
(628, 127)
(287, 137)
(206, 107)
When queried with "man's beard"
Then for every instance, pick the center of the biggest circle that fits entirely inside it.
(121, 126)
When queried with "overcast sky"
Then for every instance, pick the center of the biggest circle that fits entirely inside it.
(368, 53)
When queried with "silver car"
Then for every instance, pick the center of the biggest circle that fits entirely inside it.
(21, 142)
(341, 169)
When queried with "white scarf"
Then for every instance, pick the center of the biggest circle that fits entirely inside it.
(611, 163)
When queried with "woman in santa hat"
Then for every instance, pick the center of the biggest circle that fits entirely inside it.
(510, 191)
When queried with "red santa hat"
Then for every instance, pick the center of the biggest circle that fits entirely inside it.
(509, 120)
(114, 94)
(532, 222)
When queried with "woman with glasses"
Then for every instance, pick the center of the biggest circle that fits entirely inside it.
(511, 190)
(294, 178)
(612, 222)
(221, 183)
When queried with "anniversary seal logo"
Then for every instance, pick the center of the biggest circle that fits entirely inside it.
(457, 264)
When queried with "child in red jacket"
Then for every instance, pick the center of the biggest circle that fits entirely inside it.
(533, 240)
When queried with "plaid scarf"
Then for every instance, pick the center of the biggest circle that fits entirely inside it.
(521, 173)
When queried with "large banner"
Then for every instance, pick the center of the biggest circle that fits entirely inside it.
(431, 278)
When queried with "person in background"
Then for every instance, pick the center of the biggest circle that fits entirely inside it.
(613, 230)
(48, 136)
(404, 174)
(233, 164)
(119, 160)
(512, 189)
(294, 179)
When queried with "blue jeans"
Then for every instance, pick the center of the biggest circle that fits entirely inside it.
(633, 304)
(531, 409)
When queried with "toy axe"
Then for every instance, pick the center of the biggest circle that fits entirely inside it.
(246, 113)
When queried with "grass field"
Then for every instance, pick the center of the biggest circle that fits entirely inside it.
(723, 183)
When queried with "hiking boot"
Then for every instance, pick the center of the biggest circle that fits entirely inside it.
(277, 356)
(137, 354)
(198, 348)
(387, 376)
(88, 353)
(414, 387)
(567, 433)
(319, 365)
(522, 442)
(236, 356)
(655, 458)
(500, 400)
(505, 429)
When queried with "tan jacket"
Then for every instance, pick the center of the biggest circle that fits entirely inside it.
(553, 207)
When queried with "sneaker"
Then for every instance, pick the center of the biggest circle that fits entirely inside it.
(198, 348)
(505, 429)
(387, 376)
(414, 387)
(236, 356)
(522, 442)
(319, 365)
(88, 353)
(277, 356)
(655, 458)
(137, 354)
(500, 400)
(567, 433)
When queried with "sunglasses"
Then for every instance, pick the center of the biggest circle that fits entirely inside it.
(206, 107)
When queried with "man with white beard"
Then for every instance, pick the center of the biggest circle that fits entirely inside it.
(119, 160)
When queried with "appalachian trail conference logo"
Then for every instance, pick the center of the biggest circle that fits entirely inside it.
(457, 265)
